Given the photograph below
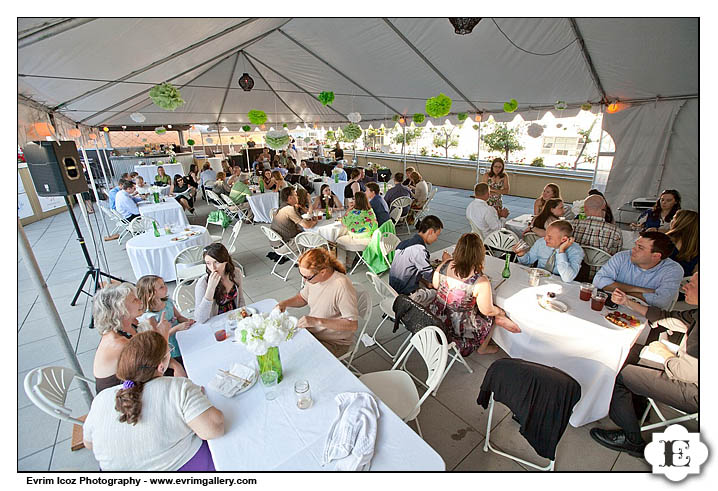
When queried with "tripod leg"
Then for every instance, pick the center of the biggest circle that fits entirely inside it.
(88, 273)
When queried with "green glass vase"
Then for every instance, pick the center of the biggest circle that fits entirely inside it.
(270, 361)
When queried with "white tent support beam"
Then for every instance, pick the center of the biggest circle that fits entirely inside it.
(157, 63)
(244, 53)
(394, 110)
(587, 59)
(478, 156)
(430, 65)
(248, 55)
(51, 31)
(229, 84)
(222, 56)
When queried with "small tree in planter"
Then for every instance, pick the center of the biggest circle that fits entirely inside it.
(443, 139)
(503, 139)
(411, 136)
(537, 162)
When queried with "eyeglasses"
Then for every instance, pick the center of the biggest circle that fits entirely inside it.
(311, 277)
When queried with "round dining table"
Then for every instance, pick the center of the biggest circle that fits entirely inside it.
(155, 255)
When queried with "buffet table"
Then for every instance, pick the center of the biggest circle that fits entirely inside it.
(275, 435)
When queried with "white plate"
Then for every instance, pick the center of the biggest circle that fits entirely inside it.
(639, 326)
(552, 305)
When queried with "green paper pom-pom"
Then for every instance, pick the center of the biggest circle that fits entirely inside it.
(307, 139)
(462, 116)
(285, 125)
(257, 117)
(395, 118)
(586, 107)
(476, 126)
(326, 97)
(246, 127)
(511, 106)
(190, 142)
(352, 131)
(439, 106)
(166, 96)
(418, 118)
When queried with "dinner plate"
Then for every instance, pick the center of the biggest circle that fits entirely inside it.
(552, 305)
(180, 238)
(605, 317)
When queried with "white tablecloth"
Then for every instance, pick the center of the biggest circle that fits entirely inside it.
(262, 204)
(629, 239)
(580, 342)
(518, 224)
(164, 190)
(336, 187)
(329, 229)
(155, 255)
(275, 435)
(215, 163)
(167, 212)
(148, 172)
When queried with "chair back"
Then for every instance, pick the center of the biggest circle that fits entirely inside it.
(530, 238)
(364, 302)
(594, 256)
(214, 199)
(49, 390)
(119, 217)
(395, 214)
(310, 240)
(141, 224)
(231, 245)
(400, 202)
(183, 297)
(502, 240)
(274, 237)
(228, 201)
(190, 262)
(431, 344)
(475, 229)
(381, 287)
(388, 244)
(273, 212)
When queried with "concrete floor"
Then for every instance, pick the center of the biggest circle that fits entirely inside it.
(452, 422)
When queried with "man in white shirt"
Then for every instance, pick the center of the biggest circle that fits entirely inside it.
(483, 215)
(125, 203)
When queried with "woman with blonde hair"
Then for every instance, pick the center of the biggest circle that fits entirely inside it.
(360, 222)
(279, 180)
(551, 190)
(151, 422)
(684, 234)
(464, 299)
(333, 314)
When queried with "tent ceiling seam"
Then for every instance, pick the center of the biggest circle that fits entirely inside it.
(222, 56)
(426, 60)
(337, 70)
(226, 92)
(292, 82)
(271, 88)
(159, 62)
(37, 37)
(587, 59)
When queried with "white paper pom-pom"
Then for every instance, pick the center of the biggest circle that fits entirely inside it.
(535, 130)
(354, 117)
(137, 117)
(560, 105)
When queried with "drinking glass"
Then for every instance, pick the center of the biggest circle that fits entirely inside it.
(303, 393)
(269, 383)
(598, 299)
(521, 245)
(220, 335)
(535, 276)
(586, 292)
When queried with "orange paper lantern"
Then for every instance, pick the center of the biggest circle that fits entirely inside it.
(74, 133)
(615, 107)
(93, 136)
(42, 130)
(477, 118)
(263, 127)
(402, 121)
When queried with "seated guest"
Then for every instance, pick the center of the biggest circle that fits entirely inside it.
(556, 252)
(407, 181)
(151, 422)
(152, 292)
(125, 203)
(326, 198)
(339, 155)
(645, 271)
(483, 215)
(139, 182)
(277, 167)
(265, 156)
(411, 268)
(550, 191)
(236, 171)
(463, 298)
(676, 384)
(162, 179)
(220, 290)
(192, 177)
(288, 221)
(182, 190)
(207, 174)
(257, 165)
(360, 222)
(659, 217)
(112, 194)
(240, 189)
(284, 159)
(115, 309)
(367, 176)
(594, 231)
(552, 211)
(279, 181)
(421, 194)
(381, 210)
(353, 184)
(333, 313)
(302, 201)
(306, 171)
(269, 183)
(397, 191)
(133, 176)
(339, 170)
(220, 184)
(608, 214)
(684, 234)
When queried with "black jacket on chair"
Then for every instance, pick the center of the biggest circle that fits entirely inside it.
(413, 315)
(541, 397)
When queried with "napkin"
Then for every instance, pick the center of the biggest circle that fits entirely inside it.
(230, 386)
(352, 436)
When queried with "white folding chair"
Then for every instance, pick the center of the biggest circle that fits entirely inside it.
(387, 295)
(395, 215)
(215, 200)
(49, 390)
(364, 308)
(232, 244)
(401, 202)
(218, 223)
(388, 244)
(664, 422)
(233, 209)
(500, 242)
(310, 240)
(475, 229)
(125, 225)
(183, 297)
(140, 225)
(189, 264)
(207, 186)
(119, 226)
(425, 207)
(272, 213)
(360, 256)
(594, 256)
(283, 250)
(397, 389)
(530, 238)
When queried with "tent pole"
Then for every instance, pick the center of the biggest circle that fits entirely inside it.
(204, 149)
(478, 151)
(92, 183)
(33, 270)
(598, 154)
(221, 145)
(403, 148)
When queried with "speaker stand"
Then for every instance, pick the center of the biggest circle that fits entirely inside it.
(92, 272)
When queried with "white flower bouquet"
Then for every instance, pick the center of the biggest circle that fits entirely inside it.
(260, 332)
(139, 154)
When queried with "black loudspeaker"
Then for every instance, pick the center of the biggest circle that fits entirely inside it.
(55, 168)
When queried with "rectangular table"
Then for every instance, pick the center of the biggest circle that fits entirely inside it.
(167, 212)
(581, 342)
(275, 435)
(148, 172)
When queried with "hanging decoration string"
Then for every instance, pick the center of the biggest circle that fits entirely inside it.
(527, 51)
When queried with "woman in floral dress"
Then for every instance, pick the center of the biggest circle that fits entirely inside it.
(464, 299)
(498, 182)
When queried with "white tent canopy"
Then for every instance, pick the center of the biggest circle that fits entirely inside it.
(99, 71)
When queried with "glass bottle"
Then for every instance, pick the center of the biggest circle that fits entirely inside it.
(154, 226)
(507, 268)
(261, 185)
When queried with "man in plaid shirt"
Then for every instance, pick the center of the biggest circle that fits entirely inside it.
(594, 231)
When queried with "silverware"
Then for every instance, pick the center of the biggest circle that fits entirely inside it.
(500, 283)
